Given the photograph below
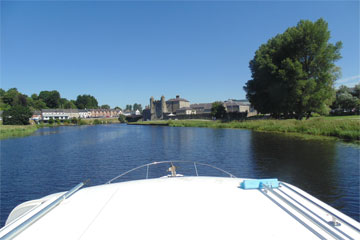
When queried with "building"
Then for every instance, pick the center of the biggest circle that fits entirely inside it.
(36, 116)
(174, 104)
(201, 107)
(83, 113)
(61, 114)
(160, 109)
(103, 113)
(185, 111)
(236, 107)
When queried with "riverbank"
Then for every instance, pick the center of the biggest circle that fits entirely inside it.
(344, 128)
(9, 131)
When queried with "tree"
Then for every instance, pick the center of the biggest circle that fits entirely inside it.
(12, 98)
(105, 106)
(17, 115)
(50, 98)
(137, 107)
(70, 105)
(122, 118)
(118, 108)
(86, 101)
(294, 72)
(34, 96)
(128, 107)
(347, 100)
(218, 110)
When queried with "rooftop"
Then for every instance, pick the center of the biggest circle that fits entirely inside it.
(177, 99)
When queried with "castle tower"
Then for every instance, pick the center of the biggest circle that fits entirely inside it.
(163, 106)
(152, 108)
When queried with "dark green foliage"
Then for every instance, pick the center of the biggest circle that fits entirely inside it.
(70, 105)
(293, 73)
(51, 120)
(105, 106)
(2, 92)
(137, 107)
(128, 107)
(74, 120)
(36, 104)
(50, 98)
(118, 108)
(86, 101)
(17, 115)
(96, 122)
(122, 118)
(218, 110)
(347, 101)
(12, 98)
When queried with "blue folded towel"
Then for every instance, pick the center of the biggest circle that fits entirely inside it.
(257, 183)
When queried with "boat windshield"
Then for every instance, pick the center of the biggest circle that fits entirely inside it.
(171, 169)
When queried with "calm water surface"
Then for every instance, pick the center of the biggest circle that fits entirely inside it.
(56, 159)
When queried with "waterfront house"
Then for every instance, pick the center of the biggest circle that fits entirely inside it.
(83, 113)
(103, 113)
(61, 114)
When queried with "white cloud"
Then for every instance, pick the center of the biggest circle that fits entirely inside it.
(349, 81)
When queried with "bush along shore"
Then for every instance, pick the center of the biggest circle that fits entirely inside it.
(9, 131)
(345, 128)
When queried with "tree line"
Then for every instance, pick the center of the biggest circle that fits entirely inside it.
(46, 99)
(18, 107)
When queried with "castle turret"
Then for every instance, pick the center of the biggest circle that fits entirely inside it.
(152, 108)
(163, 105)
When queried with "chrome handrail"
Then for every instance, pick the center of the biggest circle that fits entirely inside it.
(21, 227)
(171, 162)
(322, 208)
(304, 214)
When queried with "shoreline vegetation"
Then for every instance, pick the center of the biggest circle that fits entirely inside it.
(346, 128)
(10, 131)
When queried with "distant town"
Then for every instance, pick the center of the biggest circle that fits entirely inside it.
(174, 108)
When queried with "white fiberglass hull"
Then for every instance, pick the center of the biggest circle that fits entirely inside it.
(180, 208)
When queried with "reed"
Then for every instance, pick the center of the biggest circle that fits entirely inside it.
(8, 131)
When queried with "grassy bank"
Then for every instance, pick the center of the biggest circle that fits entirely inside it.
(345, 128)
(8, 131)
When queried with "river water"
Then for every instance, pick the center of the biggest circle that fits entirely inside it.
(56, 159)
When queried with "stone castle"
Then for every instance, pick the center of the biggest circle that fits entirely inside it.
(160, 109)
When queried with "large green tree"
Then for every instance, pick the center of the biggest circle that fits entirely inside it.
(17, 115)
(86, 101)
(294, 72)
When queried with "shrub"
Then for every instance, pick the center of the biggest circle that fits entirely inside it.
(122, 119)
(96, 121)
(51, 120)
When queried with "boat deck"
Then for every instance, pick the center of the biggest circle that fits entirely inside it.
(187, 208)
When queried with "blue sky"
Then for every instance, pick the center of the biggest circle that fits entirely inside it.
(124, 52)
